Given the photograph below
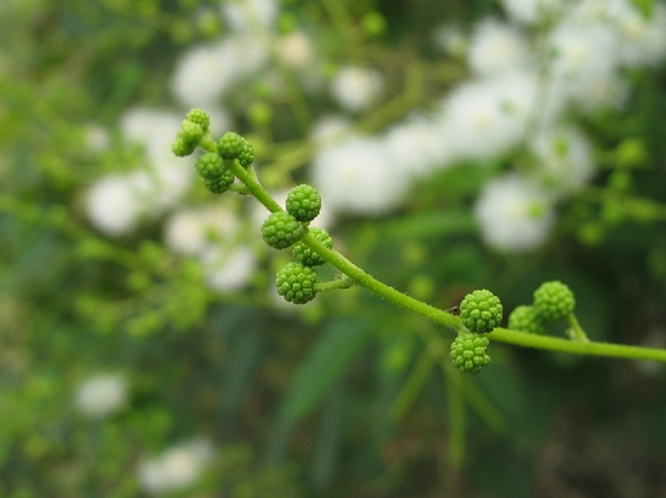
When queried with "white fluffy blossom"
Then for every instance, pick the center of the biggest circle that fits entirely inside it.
(642, 39)
(490, 116)
(533, 11)
(250, 14)
(496, 47)
(101, 395)
(357, 88)
(114, 205)
(295, 50)
(177, 468)
(330, 129)
(210, 235)
(451, 40)
(205, 73)
(515, 214)
(356, 176)
(564, 158)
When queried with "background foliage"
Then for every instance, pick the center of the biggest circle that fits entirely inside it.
(216, 389)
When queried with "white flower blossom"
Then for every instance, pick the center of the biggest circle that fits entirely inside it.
(295, 50)
(356, 176)
(451, 40)
(533, 11)
(496, 47)
(515, 214)
(250, 14)
(357, 88)
(114, 205)
(101, 395)
(642, 39)
(177, 468)
(330, 129)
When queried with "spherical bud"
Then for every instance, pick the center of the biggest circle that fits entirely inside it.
(220, 184)
(191, 132)
(210, 166)
(231, 145)
(303, 202)
(303, 254)
(468, 352)
(246, 157)
(281, 230)
(554, 300)
(200, 117)
(525, 319)
(182, 148)
(295, 283)
(481, 311)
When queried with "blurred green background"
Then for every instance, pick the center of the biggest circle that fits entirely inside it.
(130, 366)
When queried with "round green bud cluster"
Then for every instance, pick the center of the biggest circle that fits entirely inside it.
(210, 166)
(468, 352)
(295, 283)
(526, 319)
(231, 145)
(200, 117)
(303, 202)
(303, 254)
(281, 230)
(220, 184)
(554, 300)
(246, 157)
(481, 311)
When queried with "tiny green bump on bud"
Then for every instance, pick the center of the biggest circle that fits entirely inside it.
(295, 283)
(303, 202)
(191, 132)
(200, 117)
(220, 184)
(468, 352)
(246, 157)
(231, 145)
(182, 148)
(210, 166)
(525, 319)
(554, 300)
(281, 230)
(481, 311)
(303, 254)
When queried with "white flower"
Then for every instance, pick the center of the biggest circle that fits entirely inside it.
(355, 176)
(490, 116)
(330, 129)
(357, 88)
(248, 14)
(228, 268)
(564, 158)
(176, 468)
(114, 205)
(515, 214)
(101, 395)
(496, 47)
(295, 50)
(205, 73)
(96, 137)
(642, 39)
(533, 11)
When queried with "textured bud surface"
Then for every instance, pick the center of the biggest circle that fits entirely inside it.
(246, 157)
(210, 166)
(481, 311)
(526, 319)
(303, 254)
(554, 300)
(191, 132)
(220, 184)
(468, 352)
(281, 230)
(182, 147)
(295, 282)
(303, 202)
(200, 117)
(231, 145)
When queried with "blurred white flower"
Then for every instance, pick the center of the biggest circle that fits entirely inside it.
(228, 268)
(205, 73)
(113, 204)
(496, 47)
(356, 176)
(101, 395)
(564, 158)
(330, 129)
(295, 50)
(97, 137)
(357, 88)
(515, 214)
(489, 116)
(177, 468)
(249, 14)
(642, 39)
(533, 11)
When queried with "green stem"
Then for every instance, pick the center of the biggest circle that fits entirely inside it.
(582, 348)
(578, 332)
(208, 144)
(341, 283)
(249, 179)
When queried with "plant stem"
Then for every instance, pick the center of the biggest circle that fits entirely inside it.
(341, 283)
(578, 332)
